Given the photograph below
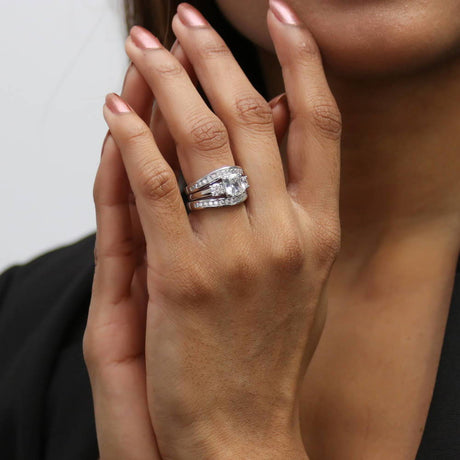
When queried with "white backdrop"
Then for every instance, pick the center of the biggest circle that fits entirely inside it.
(58, 61)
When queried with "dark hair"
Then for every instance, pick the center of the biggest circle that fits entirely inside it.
(156, 15)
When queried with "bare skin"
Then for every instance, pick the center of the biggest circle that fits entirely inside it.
(368, 388)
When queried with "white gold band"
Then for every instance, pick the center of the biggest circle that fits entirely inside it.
(225, 186)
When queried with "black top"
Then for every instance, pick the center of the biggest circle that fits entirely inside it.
(46, 408)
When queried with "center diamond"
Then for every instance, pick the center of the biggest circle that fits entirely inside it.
(235, 184)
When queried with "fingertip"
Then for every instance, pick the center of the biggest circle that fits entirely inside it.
(116, 104)
(176, 22)
(275, 100)
(274, 27)
(284, 13)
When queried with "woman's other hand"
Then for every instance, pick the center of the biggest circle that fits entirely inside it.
(113, 342)
(114, 338)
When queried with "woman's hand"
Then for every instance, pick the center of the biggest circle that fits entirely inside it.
(236, 295)
(115, 332)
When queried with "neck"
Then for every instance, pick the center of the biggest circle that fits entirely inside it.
(400, 166)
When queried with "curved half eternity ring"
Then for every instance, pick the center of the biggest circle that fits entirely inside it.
(224, 186)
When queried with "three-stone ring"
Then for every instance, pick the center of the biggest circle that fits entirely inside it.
(225, 186)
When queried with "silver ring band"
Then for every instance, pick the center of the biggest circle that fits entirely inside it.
(225, 186)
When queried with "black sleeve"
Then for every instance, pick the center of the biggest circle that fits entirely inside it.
(46, 409)
(441, 436)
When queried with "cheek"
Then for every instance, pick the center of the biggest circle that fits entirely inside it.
(364, 38)
(386, 39)
(249, 18)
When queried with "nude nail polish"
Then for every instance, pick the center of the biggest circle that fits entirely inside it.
(143, 38)
(190, 16)
(284, 12)
(116, 104)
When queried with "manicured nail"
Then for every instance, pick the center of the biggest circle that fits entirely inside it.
(283, 12)
(116, 104)
(277, 100)
(190, 16)
(144, 39)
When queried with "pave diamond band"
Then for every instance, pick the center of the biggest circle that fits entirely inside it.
(225, 186)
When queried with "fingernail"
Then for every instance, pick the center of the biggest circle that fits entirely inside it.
(190, 16)
(277, 100)
(116, 104)
(283, 12)
(144, 39)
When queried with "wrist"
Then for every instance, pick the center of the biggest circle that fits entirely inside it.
(290, 449)
(217, 449)
(226, 441)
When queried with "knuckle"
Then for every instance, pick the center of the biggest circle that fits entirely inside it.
(213, 50)
(327, 241)
(187, 283)
(136, 133)
(255, 112)
(157, 182)
(305, 51)
(288, 254)
(207, 134)
(327, 119)
(197, 289)
(241, 270)
(125, 247)
(169, 68)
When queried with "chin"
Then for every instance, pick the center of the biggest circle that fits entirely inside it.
(370, 38)
(383, 52)
(381, 39)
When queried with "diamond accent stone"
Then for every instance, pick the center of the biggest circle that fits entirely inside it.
(217, 189)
